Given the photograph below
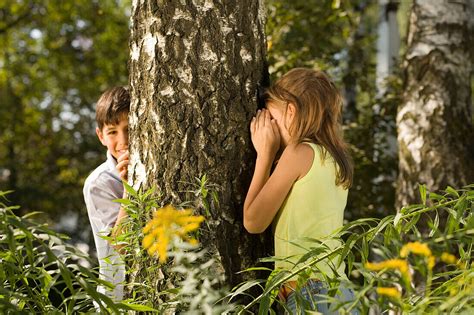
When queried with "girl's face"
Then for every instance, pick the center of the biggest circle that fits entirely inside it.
(283, 118)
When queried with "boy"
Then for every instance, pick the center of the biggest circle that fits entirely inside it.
(104, 185)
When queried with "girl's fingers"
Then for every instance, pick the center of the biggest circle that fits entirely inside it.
(252, 125)
(263, 118)
(266, 118)
(258, 120)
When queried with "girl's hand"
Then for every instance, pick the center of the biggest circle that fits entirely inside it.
(122, 166)
(265, 134)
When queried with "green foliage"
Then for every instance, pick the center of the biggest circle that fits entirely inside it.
(433, 239)
(372, 137)
(55, 61)
(189, 281)
(300, 33)
(146, 276)
(199, 288)
(42, 274)
(419, 237)
(339, 37)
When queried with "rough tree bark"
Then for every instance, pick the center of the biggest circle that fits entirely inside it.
(194, 71)
(435, 129)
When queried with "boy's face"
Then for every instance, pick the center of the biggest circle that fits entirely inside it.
(115, 137)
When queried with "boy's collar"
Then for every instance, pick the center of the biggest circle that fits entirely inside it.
(112, 163)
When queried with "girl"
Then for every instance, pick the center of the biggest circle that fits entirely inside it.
(306, 193)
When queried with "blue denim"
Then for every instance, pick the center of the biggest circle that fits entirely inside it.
(313, 296)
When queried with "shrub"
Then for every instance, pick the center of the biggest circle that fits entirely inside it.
(40, 273)
(418, 260)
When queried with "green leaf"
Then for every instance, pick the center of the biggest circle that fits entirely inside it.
(411, 223)
(137, 307)
(148, 193)
(3, 193)
(243, 287)
(313, 253)
(126, 202)
(434, 196)
(381, 226)
(423, 193)
(46, 278)
(450, 190)
(130, 190)
(255, 269)
(397, 218)
(32, 214)
(350, 262)
(348, 246)
(461, 207)
(434, 228)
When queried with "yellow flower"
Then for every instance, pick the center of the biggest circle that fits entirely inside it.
(448, 258)
(397, 264)
(391, 292)
(415, 248)
(148, 240)
(431, 262)
(167, 223)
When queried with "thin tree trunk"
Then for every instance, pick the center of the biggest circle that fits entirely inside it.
(194, 71)
(388, 43)
(435, 129)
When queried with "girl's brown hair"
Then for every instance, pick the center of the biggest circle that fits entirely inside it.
(318, 114)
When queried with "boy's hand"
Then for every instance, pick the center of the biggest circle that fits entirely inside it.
(265, 134)
(122, 166)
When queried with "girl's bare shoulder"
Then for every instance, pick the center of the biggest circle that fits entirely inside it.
(301, 150)
(300, 156)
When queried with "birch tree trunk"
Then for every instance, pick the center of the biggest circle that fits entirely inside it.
(435, 127)
(194, 71)
(388, 43)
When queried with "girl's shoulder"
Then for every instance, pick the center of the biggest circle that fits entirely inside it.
(298, 149)
(299, 156)
(302, 149)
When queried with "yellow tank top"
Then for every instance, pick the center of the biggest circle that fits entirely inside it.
(314, 208)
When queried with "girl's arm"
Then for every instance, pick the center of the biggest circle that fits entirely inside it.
(267, 193)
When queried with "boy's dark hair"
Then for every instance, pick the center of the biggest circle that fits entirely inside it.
(112, 105)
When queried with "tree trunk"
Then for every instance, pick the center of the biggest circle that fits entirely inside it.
(388, 43)
(435, 128)
(194, 72)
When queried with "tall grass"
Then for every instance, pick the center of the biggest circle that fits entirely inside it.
(416, 261)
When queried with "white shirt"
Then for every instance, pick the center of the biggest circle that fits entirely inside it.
(101, 187)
